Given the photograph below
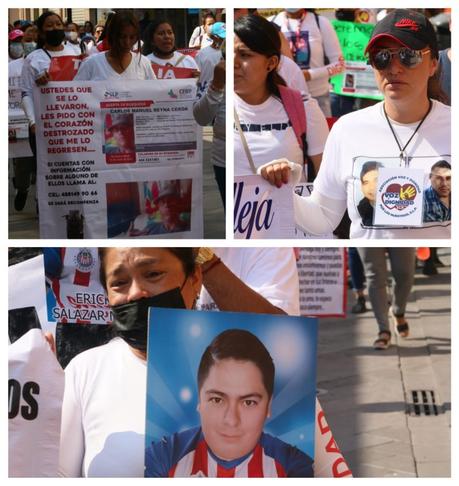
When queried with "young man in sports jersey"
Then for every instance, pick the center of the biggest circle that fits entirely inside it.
(235, 384)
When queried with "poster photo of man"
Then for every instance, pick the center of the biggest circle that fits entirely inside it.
(245, 409)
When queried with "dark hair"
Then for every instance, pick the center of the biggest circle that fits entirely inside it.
(148, 46)
(434, 88)
(40, 22)
(91, 24)
(114, 27)
(368, 167)
(185, 255)
(441, 164)
(207, 15)
(72, 23)
(262, 37)
(239, 345)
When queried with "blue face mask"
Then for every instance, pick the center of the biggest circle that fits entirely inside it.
(131, 320)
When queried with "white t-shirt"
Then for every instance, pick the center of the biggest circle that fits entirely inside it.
(315, 43)
(364, 135)
(97, 68)
(177, 60)
(206, 59)
(270, 135)
(103, 413)
(271, 272)
(199, 38)
(76, 48)
(292, 74)
(34, 65)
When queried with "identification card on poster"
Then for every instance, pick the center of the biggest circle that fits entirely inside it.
(399, 197)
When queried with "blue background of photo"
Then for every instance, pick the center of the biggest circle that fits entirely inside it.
(177, 339)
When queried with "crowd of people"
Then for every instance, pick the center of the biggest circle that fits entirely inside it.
(409, 128)
(117, 49)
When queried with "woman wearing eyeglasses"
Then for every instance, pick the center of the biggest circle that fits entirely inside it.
(409, 130)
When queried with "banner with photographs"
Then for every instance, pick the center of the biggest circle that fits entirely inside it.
(119, 159)
(249, 414)
(18, 125)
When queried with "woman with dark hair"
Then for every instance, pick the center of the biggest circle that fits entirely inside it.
(103, 415)
(200, 36)
(410, 129)
(159, 46)
(72, 38)
(89, 27)
(258, 105)
(119, 62)
(50, 43)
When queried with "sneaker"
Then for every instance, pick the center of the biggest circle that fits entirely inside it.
(383, 341)
(359, 307)
(20, 200)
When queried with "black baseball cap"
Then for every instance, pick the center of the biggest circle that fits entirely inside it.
(409, 28)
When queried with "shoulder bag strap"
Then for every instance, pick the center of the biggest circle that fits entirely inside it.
(244, 142)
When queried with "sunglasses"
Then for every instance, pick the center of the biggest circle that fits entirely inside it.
(409, 58)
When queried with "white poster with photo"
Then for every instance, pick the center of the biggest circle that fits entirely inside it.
(18, 124)
(322, 276)
(96, 140)
(35, 392)
(262, 210)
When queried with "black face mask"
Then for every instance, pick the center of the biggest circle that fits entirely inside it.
(131, 320)
(55, 37)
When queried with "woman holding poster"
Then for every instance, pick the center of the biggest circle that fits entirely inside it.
(119, 62)
(159, 46)
(404, 136)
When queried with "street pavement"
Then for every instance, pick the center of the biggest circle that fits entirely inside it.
(24, 224)
(366, 394)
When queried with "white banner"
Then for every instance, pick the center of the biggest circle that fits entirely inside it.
(35, 392)
(262, 210)
(322, 275)
(18, 124)
(119, 159)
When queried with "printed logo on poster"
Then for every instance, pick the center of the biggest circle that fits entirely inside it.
(399, 197)
(84, 261)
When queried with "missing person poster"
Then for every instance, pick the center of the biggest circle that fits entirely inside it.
(74, 293)
(262, 210)
(119, 159)
(358, 79)
(323, 286)
(239, 400)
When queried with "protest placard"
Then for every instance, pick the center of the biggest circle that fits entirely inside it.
(262, 210)
(358, 79)
(18, 125)
(119, 159)
(322, 276)
(35, 391)
(172, 72)
(267, 374)
(64, 68)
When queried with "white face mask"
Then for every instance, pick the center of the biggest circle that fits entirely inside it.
(71, 36)
(16, 50)
(29, 47)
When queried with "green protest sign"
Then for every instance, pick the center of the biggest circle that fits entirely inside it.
(357, 80)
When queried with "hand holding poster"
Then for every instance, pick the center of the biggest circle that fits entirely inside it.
(107, 149)
(262, 210)
(258, 369)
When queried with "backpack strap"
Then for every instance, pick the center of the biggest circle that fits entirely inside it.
(294, 106)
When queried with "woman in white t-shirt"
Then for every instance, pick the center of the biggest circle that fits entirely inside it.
(200, 36)
(119, 62)
(315, 48)
(159, 46)
(263, 119)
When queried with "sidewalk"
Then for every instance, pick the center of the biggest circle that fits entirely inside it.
(24, 224)
(366, 394)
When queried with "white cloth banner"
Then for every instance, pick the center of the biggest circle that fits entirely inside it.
(322, 275)
(35, 392)
(328, 460)
(119, 159)
(262, 210)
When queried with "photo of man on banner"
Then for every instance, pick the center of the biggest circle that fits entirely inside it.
(239, 403)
